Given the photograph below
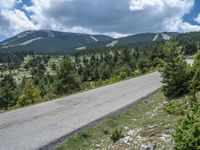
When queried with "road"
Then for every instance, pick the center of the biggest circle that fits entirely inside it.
(42, 124)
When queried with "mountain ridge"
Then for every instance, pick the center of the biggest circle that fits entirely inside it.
(44, 40)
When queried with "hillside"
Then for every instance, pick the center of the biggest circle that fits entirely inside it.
(49, 41)
(43, 41)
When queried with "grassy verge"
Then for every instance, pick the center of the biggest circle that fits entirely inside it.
(147, 123)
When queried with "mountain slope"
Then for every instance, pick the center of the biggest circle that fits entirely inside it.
(49, 41)
(135, 39)
(44, 41)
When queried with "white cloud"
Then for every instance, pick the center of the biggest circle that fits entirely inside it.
(115, 18)
(177, 24)
(197, 19)
(13, 20)
(6, 4)
(172, 12)
(18, 21)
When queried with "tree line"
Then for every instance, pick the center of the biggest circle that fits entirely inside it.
(75, 72)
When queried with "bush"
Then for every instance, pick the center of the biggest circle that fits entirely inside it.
(176, 107)
(31, 94)
(123, 75)
(187, 132)
(116, 135)
(136, 73)
(105, 131)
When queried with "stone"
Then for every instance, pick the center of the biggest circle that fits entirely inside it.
(147, 147)
(97, 145)
(133, 133)
(124, 140)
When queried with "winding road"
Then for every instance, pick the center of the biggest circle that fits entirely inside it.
(40, 125)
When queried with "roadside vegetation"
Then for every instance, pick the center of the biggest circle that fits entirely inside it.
(27, 78)
(167, 120)
(145, 125)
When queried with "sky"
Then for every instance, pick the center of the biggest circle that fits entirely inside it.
(116, 18)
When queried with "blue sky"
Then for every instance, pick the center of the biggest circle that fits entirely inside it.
(193, 13)
(111, 17)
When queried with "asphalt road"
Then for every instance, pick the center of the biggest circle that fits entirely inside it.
(39, 125)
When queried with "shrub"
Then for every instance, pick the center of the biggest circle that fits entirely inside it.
(176, 107)
(116, 135)
(187, 133)
(136, 73)
(123, 75)
(105, 131)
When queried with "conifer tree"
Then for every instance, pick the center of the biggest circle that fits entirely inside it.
(187, 131)
(174, 71)
(7, 92)
(68, 79)
(30, 94)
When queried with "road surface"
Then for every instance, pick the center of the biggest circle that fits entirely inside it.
(42, 124)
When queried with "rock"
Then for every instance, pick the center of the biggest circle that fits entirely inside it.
(140, 139)
(97, 145)
(165, 137)
(124, 140)
(154, 126)
(126, 128)
(133, 133)
(147, 147)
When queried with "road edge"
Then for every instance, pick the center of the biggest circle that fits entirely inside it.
(52, 145)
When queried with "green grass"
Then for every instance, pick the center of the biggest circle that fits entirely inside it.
(143, 116)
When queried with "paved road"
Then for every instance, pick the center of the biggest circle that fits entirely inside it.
(39, 125)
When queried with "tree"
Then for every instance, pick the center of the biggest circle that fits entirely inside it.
(68, 79)
(174, 71)
(187, 131)
(7, 92)
(30, 94)
(191, 48)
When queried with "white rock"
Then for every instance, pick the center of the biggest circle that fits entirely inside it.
(97, 145)
(124, 140)
(147, 147)
(126, 128)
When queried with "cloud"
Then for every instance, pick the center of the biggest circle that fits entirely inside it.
(177, 24)
(114, 17)
(197, 19)
(119, 17)
(13, 20)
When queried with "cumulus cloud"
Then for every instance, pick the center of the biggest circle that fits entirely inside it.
(114, 17)
(13, 20)
(197, 19)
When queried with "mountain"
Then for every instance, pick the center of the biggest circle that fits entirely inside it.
(49, 41)
(134, 39)
(53, 41)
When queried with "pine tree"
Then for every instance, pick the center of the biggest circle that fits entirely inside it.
(187, 131)
(7, 92)
(68, 79)
(174, 71)
(30, 94)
